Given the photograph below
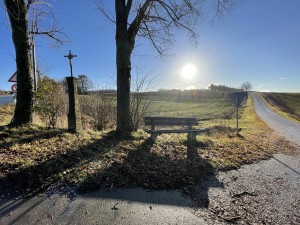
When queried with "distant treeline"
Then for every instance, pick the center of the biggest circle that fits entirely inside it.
(196, 95)
(6, 92)
(223, 88)
(177, 95)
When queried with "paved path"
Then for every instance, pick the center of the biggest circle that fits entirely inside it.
(107, 207)
(286, 128)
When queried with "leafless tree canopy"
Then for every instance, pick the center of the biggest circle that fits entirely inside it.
(246, 86)
(156, 20)
(42, 21)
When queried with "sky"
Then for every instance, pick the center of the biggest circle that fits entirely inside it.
(258, 42)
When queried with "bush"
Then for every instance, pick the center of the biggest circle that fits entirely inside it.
(49, 100)
(98, 110)
(139, 100)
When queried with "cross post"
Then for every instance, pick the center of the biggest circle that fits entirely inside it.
(70, 56)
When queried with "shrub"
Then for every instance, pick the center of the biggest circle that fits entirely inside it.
(49, 100)
(140, 100)
(98, 110)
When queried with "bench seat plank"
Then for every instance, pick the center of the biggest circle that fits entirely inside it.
(170, 121)
(173, 121)
(176, 131)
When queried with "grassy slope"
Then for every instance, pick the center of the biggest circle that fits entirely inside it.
(34, 158)
(286, 104)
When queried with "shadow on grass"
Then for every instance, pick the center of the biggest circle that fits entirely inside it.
(18, 185)
(150, 169)
(135, 165)
(26, 135)
(32, 179)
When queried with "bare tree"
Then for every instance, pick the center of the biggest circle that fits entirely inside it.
(154, 20)
(24, 23)
(140, 98)
(246, 86)
(83, 84)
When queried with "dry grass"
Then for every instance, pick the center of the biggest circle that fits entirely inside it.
(6, 112)
(32, 158)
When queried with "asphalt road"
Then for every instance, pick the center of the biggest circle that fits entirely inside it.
(5, 99)
(106, 206)
(284, 127)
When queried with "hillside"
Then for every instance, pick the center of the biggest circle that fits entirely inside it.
(286, 104)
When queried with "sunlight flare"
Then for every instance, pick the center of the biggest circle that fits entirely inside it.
(188, 71)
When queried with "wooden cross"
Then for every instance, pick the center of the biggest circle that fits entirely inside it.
(70, 57)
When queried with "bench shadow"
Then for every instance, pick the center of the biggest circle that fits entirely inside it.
(156, 172)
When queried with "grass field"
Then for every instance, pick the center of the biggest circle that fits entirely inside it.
(220, 106)
(32, 158)
(286, 104)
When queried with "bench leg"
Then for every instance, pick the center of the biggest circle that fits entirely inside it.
(154, 136)
(191, 149)
(191, 137)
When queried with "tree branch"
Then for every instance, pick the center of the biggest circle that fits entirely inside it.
(135, 25)
(29, 4)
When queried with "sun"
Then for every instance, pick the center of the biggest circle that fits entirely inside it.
(188, 71)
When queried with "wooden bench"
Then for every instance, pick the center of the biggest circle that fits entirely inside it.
(173, 121)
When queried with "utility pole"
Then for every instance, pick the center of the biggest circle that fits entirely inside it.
(33, 55)
(34, 64)
(237, 112)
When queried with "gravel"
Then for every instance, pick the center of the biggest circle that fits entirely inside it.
(263, 193)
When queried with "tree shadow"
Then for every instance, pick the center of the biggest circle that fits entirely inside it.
(26, 135)
(286, 165)
(26, 181)
(145, 165)
(19, 185)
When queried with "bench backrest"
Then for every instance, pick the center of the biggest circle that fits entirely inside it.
(170, 121)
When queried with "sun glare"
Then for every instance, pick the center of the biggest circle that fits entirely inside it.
(188, 71)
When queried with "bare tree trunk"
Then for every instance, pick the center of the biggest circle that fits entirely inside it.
(18, 12)
(123, 86)
(123, 58)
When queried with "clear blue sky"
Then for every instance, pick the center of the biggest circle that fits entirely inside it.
(259, 42)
